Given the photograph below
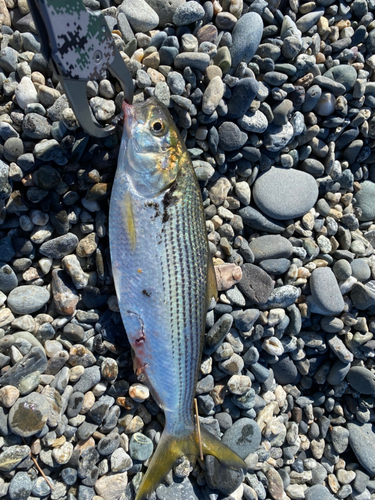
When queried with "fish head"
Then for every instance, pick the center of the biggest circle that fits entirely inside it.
(151, 147)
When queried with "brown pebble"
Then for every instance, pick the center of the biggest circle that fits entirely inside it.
(139, 392)
(9, 395)
(125, 402)
(64, 294)
(227, 275)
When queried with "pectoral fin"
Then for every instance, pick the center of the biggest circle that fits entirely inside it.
(128, 219)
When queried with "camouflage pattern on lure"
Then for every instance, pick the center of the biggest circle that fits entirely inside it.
(164, 277)
(81, 41)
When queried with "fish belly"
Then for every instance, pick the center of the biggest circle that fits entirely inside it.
(159, 267)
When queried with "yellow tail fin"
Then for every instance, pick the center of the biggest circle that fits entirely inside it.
(170, 448)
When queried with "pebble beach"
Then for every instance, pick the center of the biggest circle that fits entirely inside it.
(275, 100)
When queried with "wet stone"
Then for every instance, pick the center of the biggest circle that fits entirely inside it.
(29, 414)
(34, 361)
(243, 437)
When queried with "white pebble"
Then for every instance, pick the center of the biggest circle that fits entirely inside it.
(26, 93)
(347, 285)
(273, 346)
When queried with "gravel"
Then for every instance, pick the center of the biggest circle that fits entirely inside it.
(275, 101)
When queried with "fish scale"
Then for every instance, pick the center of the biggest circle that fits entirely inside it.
(161, 270)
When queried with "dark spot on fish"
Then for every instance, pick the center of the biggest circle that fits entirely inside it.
(145, 292)
(141, 339)
(165, 216)
(168, 200)
(154, 205)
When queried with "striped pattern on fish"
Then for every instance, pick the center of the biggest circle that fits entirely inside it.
(160, 263)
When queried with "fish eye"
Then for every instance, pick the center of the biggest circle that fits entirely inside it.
(157, 127)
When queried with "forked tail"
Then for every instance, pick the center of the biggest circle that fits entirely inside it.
(171, 448)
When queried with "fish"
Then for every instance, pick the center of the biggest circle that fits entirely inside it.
(164, 278)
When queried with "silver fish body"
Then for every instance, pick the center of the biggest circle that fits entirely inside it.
(161, 269)
(161, 282)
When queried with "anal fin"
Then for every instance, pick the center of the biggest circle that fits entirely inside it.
(211, 281)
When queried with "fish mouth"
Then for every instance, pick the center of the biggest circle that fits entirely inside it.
(129, 116)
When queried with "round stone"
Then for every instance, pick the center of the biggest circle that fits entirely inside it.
(253, 121)
(285, 371)
(140, 447)
(246, 36)
(362, 380)
(188, 13)
(60, 246)
(212, 95)
(142, 18)
(46, 177)
(325, 293)
(342, 269)
(255, 283)
(29, 414)
(362, 442)
(365, 200)
(318, 491)
(243, 437)
(270, 247)
(13, 148)
(231, 137)
(344, 74)
(276, 137)
(20, 486)
(27, 299)
(360, 269)
(285, 193)
(242, 96)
